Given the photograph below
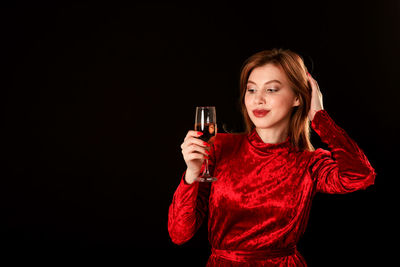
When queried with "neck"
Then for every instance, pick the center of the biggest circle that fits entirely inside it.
(272, 136)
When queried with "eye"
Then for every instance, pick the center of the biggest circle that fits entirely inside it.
(250, 90)
(271, 90)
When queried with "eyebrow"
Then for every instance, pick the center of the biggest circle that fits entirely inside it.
(276, 81)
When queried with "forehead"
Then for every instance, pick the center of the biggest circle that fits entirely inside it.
(263, 74)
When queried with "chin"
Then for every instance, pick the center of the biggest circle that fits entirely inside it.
(260, 122)
(262, 125)
(267, 124)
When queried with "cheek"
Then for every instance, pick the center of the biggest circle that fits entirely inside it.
(246, 101)
(280, 102)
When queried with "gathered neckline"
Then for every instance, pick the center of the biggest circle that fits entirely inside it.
(256, 141)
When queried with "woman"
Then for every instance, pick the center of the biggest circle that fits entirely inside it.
(259, 206)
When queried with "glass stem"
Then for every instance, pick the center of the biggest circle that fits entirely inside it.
(206, 172)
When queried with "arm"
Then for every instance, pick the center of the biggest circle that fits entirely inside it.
(187, 211)
(344, 168)
(189, 206)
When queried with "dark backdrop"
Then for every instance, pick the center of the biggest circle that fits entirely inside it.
(97, 100)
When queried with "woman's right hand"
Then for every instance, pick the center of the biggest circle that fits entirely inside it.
(194, 152)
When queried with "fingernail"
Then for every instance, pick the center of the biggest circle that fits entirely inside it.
(199, 133)
(206, 144)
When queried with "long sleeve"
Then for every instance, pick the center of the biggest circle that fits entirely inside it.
(187, 211)
(189, 206)
(344, 168)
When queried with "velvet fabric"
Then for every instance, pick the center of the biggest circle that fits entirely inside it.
(258, 208)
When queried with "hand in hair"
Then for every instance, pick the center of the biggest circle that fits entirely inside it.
(316, 98)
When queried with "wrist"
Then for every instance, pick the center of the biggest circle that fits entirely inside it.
(190, 176)
(312, 114)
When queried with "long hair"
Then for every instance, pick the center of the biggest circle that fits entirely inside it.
(292, 64)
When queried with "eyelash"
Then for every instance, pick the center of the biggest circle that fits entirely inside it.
(252, 90)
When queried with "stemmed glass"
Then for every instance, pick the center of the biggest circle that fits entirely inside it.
(206, 122)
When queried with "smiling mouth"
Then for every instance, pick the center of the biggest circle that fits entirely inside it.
(260, 112)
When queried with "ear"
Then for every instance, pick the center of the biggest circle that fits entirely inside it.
(296, 102)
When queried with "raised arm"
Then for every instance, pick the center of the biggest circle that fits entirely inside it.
(344, 168)
(190, 201)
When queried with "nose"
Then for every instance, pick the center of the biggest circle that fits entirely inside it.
(259, 98)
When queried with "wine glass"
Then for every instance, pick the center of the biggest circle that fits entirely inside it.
(206, 122)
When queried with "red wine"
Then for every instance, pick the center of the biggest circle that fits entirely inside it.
(209, 130)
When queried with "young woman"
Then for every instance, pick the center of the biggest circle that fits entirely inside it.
(267, 177)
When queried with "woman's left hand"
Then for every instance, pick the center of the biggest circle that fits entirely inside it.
(316, 98)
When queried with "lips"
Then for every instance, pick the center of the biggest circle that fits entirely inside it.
(260, 112)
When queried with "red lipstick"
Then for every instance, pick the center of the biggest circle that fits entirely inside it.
(260, 112)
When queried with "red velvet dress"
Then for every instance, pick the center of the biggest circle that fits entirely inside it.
(259, 206)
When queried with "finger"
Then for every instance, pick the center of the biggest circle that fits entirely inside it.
(313, 82)
(198, 142)
(310, 78)
(193, 140)
(310, 81)
(193, 156)
(192, 133)
(195, 148)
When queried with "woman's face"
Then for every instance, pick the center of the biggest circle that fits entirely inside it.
(268, 89)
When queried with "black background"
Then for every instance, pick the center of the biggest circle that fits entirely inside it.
(96, 101)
